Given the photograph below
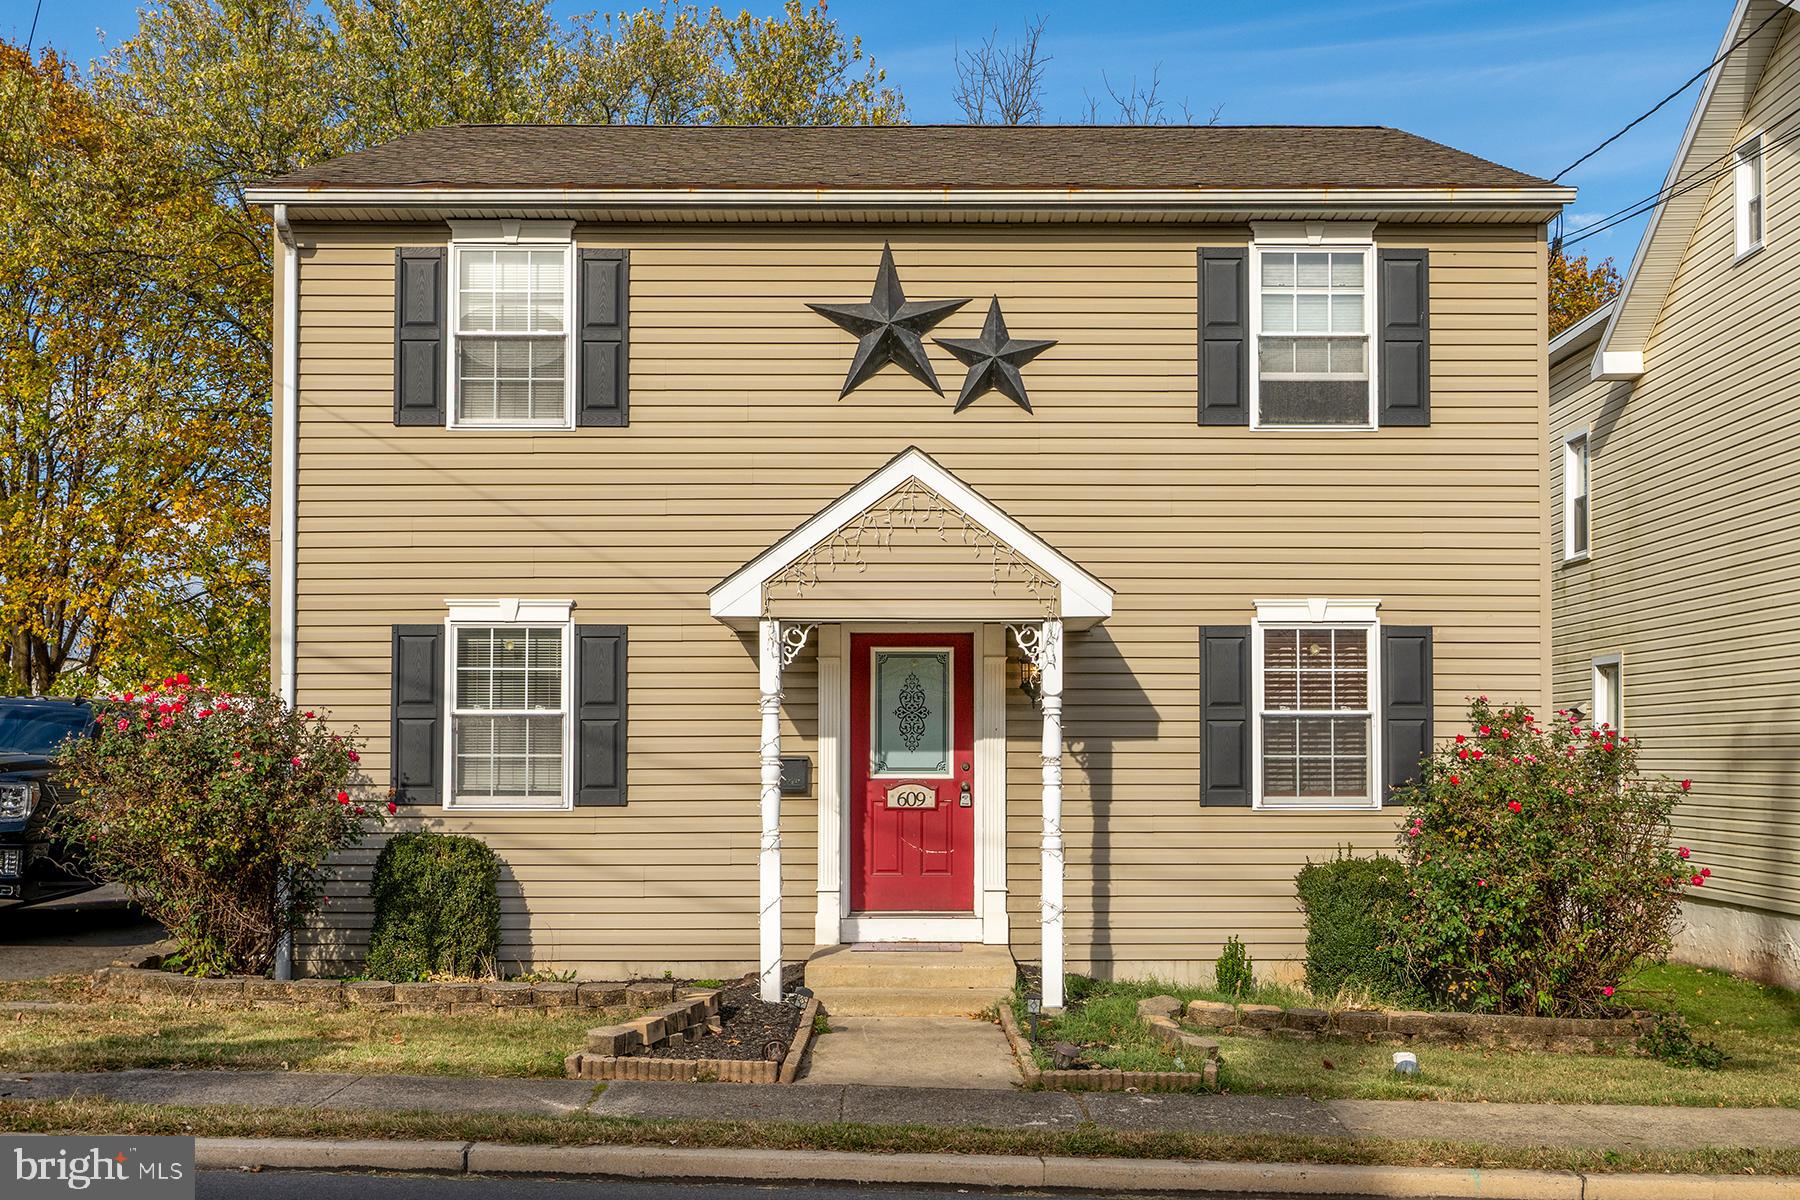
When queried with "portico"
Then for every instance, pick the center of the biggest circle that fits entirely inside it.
(914, 589)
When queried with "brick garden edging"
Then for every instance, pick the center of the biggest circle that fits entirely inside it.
(1369, 1025)
(332, 995)
(1102, 1080)
(610, 1051)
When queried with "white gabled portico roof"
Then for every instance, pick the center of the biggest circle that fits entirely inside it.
(1710, 138)
(1082, 599)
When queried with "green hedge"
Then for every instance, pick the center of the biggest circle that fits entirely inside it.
(1350, 905)
(437, 908)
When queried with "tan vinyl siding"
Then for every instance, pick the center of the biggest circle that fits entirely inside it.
(737, 436)
(1696, 495)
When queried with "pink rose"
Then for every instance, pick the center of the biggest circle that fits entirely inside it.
(1683, 851)
(123, 724)
(1607, 991)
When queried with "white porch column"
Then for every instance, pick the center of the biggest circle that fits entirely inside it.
(769, 861)
(1050, 668)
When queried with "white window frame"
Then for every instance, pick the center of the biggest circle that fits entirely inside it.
(1599, 685)
(1749, 183)
(510, 235)
(485, 614)
(1286, 237)
(1577, 446)
(1316, 614)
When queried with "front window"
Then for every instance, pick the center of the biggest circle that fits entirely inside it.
(511, 365)
(1314, 717)
(509, 715)
(1748, 186)
(1312, 347)
(1575, 496)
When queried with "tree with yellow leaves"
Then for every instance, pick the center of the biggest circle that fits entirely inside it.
(1577, 289)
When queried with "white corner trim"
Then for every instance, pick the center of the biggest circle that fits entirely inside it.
(1313, 233)
(512, 233)
(1081, 597)
(1618, 364)
(508, 611)
(1317, 610)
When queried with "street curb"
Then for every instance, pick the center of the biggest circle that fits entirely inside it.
(978, 1170)
(216, 1154)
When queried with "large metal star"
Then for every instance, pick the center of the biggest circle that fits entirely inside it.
(993, 360)
(888, 328)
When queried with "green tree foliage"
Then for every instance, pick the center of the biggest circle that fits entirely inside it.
(1577, 289)
(437, 908)
(135, 299)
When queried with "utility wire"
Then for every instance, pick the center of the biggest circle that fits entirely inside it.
(32, 36)
(1695, 78)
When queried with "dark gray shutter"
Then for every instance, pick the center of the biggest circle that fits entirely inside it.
(1225, 764)
(419, 306)
(600, 698)
(416, 736)
(1403, 336)
(1224, 336)
(603, 305)
(1405, 704)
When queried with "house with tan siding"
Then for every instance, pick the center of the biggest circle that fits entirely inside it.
(1031, 543)
(1673, 459)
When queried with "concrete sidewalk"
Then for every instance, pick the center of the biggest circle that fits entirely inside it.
(1511, 1125)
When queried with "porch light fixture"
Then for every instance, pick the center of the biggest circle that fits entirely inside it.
(1031, 682)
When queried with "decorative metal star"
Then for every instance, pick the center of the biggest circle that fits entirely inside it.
(888, 328)
(993, 360)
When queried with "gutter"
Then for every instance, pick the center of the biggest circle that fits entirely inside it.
(288, 356)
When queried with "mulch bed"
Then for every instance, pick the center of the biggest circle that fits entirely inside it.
(749, 1026)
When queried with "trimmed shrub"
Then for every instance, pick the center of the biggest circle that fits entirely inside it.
(216, 812)
(1541, 866)
(1350, 905)
(1234, 971)
(437, 908)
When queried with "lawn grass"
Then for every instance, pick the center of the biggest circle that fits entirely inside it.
(1759, 1027)
(109, 1117)
(108, 1035)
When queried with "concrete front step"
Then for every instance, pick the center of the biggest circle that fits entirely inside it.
(908, 1002)
(910, 983)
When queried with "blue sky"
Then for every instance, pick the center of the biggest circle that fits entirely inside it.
(1529, 83)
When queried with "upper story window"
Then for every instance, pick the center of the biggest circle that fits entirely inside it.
(510, 357)
(1575, 496)
(1312, 312)
(1315, 732)
(1748, 189)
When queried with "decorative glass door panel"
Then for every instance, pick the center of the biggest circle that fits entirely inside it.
(912, 717)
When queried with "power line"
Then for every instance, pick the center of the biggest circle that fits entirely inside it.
(1646, 115)
(32, 36)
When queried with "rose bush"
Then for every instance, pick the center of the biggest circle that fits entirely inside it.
(1540, 866)
(202, 803)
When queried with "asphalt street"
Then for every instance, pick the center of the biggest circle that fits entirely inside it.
(309, 1185)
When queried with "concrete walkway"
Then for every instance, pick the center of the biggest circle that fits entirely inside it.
(1517, 1125)
(946, 1052)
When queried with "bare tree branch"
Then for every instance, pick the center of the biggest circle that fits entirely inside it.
(1003, 85)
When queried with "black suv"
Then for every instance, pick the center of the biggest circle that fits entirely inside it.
(30, 732)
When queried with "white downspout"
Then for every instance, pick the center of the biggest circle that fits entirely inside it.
(288, 360)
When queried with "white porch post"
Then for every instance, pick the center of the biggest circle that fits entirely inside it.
(769, 921)
(1050, 668)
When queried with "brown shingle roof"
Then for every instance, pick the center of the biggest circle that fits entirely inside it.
(909, 156)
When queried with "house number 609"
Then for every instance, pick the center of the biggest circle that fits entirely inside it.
(911, 795)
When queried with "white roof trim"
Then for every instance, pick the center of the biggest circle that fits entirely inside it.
(1081, 598)
(1582, 333)
(1607, 361)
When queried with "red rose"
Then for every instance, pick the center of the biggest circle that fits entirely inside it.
(392, 808)
(1485, 731)
(1706, 872)
(1459, 739)
(181, 678)
(1455, 779)
(1477, 755)
(359, 810)
(343, 797)
(1515, 806)
(1687, 785)
(1698, 880)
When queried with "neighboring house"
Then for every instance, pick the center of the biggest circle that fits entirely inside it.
(632, 531)
(1676, 465)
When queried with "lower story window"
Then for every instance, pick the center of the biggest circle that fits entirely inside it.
(509, 714)
(1315, 717)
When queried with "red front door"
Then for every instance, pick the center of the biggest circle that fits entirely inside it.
(912, 760)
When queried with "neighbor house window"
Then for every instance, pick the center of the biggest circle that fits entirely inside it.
(1748, 186)
(509, 714)
(1315, 731)
(1575, 496)
(1313, 310)
(1609, 696)
(510, 367)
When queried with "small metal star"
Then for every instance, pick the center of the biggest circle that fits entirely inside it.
(993, 360)
(888, 328)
